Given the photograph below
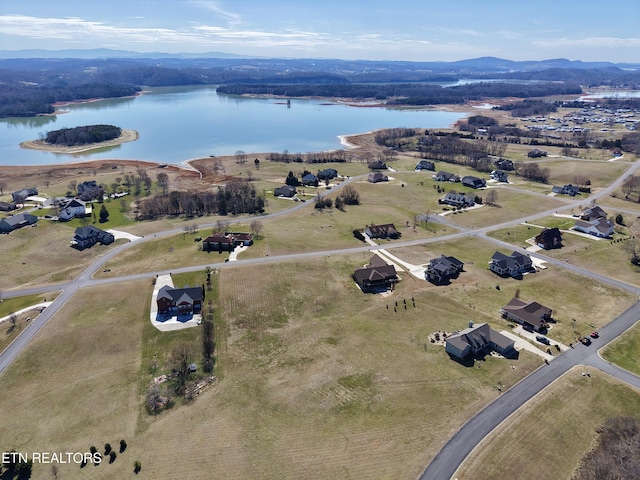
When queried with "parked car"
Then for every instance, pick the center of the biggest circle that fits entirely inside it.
(542, 339)
(595, 334)
(585, 340)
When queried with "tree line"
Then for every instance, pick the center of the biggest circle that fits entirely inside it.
(232, 199)
(82, 135)
(407, 93)
(21, 99)
(335, 156)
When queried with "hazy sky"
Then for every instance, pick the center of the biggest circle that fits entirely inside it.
(418, 30)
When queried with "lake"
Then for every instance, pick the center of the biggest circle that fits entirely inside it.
(176, 124)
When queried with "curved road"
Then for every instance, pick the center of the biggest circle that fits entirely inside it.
(447, 461)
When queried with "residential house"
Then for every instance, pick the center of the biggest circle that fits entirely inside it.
(504, 164)
(88, 235)
(226, 241)
(377, 165)
(21, 195)
(535, 153)
(513, 265)
(456, 199)
(285, 191)
(478, 340)
(89, 190)
(180, 301)
(309, 180)
(571, 190)
(446, 177)
(327, 174)
(426, 165)
(443, 268)
(594, 221)
(549, 238)
(7, 207)
(473, 182)
(592, 213)
(20, 220)
(499, 176)
(377, 276)
(377, 177)
(599, 227)
(73, 208)
(531, 315)
(387, 230)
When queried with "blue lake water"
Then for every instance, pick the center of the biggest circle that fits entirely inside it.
(181, 123)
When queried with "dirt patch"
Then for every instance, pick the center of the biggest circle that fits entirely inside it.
(55, 178)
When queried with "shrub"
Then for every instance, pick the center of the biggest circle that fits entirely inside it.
(358, 234)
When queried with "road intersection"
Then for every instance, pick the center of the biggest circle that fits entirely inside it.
(446, 462)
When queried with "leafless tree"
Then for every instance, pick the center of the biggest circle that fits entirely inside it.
(256, 227)
(632, 247)
(491, 197)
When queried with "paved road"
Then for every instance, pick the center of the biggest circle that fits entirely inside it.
(460, 445)
(451, 456)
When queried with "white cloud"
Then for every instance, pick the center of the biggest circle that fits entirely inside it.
(214, 7)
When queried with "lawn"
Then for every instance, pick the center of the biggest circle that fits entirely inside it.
(42, 255)
(510, 205)
(8, 330)
(476, 288)
(308, 364)
(624, 350)
(77, 384)
(550, 434)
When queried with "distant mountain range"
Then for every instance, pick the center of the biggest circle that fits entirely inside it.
(219, 59)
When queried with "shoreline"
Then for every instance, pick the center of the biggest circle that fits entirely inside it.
(125, 137)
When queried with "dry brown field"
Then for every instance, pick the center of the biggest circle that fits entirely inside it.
(548, 436)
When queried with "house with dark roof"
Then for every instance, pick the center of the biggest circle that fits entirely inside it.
(7, 207)
(73, 208)
(309, 180)
(473, 182)
(571, 190)
(14, 222)
(599, 227)
(531, 315)
(549, 238)
(180, 301)
(327, 174)
(513, 265)
(285, 191)
(377, 177)
(226, 241)
(592, 213)
(535, 153)
(426, 165)
(446, 177)
(377, 165)
(89, 190)
(88, 235)
(20, 196)
(377, 276)
(440, 270)
(388, 230)
(456, 199)
(504, 164)
(499, 176)
(478, 340)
